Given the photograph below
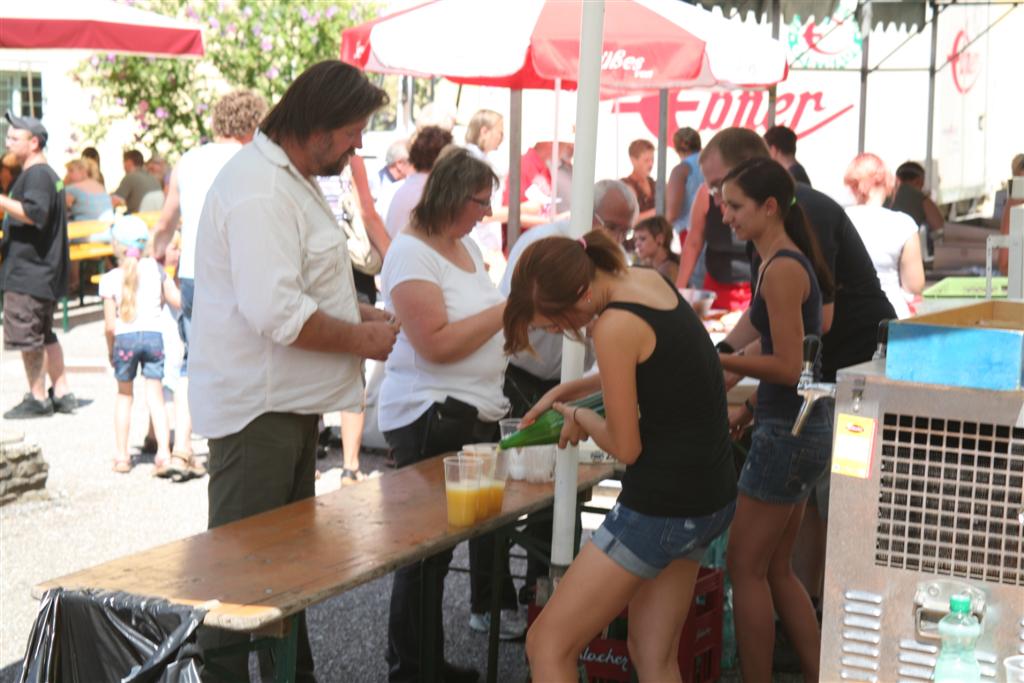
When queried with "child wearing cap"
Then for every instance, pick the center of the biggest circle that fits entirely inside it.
(133, 296)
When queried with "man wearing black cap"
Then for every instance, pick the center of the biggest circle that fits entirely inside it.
(34, 271)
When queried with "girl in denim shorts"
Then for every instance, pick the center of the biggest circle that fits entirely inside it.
(133, 297)
(781, 470)
(679, 489)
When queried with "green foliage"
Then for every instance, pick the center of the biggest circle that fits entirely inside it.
(258, 44)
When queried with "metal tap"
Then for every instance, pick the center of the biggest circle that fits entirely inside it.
(811, 391)
(882, 340)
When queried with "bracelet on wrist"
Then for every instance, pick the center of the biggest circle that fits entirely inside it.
(724, 347)
(749, 406)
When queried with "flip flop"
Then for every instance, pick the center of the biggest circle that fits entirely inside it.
(122, 466)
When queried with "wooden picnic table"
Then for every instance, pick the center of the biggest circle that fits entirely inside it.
(254, 573)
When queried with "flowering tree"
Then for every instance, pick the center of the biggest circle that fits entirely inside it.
(259, 44)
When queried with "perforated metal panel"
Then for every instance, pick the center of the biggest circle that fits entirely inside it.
(936, 510)
(950, 498)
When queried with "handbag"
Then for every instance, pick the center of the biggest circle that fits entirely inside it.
(364, 256)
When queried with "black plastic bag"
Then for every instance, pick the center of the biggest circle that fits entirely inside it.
(91, 636)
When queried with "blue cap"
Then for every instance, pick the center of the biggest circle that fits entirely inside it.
(130, 231)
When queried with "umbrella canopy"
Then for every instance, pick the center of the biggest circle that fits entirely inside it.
(648, 45)
(95, 25)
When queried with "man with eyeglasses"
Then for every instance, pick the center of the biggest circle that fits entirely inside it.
(529, 376)
(726, 263)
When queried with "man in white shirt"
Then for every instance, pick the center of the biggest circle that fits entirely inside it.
(278, 336)
(235, 117)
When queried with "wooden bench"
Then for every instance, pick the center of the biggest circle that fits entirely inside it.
(85, 251)
(254, 574)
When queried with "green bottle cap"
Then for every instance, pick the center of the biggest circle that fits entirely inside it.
(960, 603)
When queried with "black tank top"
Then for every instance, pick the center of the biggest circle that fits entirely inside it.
(780, 400)
(685, 467)
(726, 256)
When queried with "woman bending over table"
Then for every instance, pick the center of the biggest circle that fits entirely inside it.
(679, 489)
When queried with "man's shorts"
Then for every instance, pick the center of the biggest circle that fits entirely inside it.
(28, 322)
(135, 348)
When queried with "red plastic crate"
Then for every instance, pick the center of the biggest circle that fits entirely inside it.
(700, 644)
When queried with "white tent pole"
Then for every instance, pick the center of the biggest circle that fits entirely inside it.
(773, 88)
(618, 140)
(659, 190)
(563, 535)
(929, 172)
(555, 156)
(515, 162)
(865, 29)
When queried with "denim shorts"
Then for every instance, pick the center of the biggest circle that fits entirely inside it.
(784, 469)
(134, 348)
(644, 545)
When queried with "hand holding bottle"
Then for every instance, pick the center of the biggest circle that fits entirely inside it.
(567, 391)
(572, 431)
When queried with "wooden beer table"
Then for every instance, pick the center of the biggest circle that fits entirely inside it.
(254, 574)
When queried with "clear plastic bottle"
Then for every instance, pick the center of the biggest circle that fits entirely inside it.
(959, 631)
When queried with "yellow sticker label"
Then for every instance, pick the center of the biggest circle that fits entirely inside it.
(854, 444)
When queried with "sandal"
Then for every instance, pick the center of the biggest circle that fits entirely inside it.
(179, 468)
(122, 466)
(162, 469)
(350, 477)
(184, 467)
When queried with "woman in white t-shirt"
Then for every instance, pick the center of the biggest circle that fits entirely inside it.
(133, 298)
(890, 237)
(443, 381)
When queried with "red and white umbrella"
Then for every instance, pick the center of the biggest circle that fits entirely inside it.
(648, 45)
(98, 25)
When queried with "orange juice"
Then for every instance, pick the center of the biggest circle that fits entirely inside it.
(463, 499)
(491, 495)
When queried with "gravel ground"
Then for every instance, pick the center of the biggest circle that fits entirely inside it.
(89, 515)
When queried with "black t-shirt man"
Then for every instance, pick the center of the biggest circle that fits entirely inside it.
(35, 257)
(860, 303)
(799, 173)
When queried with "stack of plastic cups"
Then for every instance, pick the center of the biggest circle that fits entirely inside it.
(516, 464)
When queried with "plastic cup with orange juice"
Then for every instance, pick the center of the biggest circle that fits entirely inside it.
(493, 474)
(462, 489)
(492, 490)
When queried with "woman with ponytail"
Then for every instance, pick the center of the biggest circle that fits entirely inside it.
(133, 297)
(679, 488)
(781, 470)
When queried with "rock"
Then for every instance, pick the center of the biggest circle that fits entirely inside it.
(22, 468)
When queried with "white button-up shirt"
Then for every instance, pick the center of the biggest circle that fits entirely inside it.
(269, 253)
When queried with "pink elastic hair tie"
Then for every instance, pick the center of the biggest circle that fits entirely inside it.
(583, 243)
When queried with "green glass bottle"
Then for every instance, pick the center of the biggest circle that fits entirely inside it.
(547, 427)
